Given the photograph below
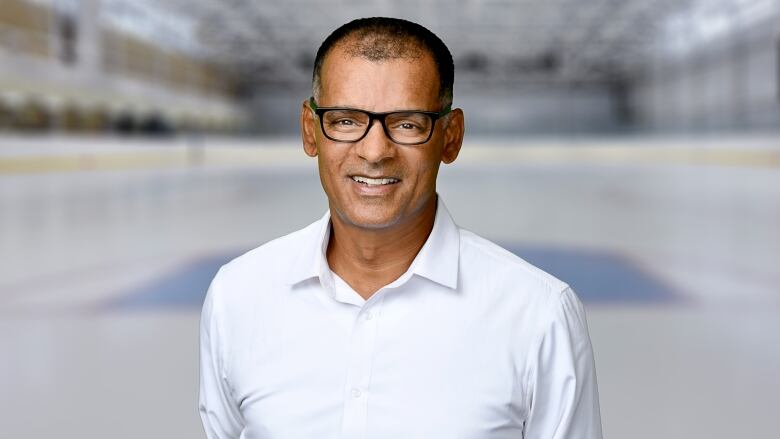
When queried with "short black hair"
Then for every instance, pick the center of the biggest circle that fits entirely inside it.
(381, 38)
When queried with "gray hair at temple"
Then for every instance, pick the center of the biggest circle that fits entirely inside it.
(382, 38)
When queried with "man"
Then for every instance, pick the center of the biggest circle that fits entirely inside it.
(384, 319)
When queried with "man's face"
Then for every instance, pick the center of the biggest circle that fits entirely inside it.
(389, 85)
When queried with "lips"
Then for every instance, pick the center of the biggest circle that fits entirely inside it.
(374, 181)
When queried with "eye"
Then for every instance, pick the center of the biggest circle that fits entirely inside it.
(344, 119)
(408, 122)
(406, 125)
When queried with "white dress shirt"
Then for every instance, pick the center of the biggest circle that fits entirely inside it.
(471, 342)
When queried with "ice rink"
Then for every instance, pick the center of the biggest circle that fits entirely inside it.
(673, 243)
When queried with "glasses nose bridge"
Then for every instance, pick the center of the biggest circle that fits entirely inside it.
(375, 149)
(380, 117)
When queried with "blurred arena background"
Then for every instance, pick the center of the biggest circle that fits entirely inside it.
(629, 147)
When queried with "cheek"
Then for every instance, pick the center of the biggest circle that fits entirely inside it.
(328, 162)
(330, 169)
(326, 172)
(426, 172)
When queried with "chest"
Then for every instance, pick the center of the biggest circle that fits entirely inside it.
(377, 372)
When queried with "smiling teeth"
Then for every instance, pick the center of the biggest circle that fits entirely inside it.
(374, 181)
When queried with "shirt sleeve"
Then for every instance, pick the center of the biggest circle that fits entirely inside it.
(218, 409)
(563, 395)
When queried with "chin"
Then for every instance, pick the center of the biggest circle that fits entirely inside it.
(367, 219)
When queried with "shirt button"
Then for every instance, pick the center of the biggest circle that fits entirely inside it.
(369, 315)
(356, 393)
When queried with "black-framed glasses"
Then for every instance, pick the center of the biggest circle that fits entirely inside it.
(402, 127)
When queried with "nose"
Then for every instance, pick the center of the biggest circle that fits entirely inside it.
(375, 146)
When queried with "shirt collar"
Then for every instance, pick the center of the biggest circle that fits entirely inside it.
(311, 259)
(437, 260)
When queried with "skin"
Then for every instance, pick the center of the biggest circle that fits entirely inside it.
(375, 236)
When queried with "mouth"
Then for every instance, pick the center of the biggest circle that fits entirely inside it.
(368, 181)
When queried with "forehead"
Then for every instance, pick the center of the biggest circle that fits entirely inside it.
(379, 85)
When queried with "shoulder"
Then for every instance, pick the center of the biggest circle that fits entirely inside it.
(272, 254)
(263, 268)
(530, 301)
(504, 269)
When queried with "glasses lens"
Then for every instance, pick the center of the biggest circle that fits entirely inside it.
(346, 125)
(409, 127)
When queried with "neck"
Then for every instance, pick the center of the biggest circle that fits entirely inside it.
(369, 259)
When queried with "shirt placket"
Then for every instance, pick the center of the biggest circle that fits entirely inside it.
(357, 385)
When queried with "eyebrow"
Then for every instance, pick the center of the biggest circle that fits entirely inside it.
(349, 107)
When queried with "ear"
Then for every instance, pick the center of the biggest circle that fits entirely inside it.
(308, 130)
(453, 136)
